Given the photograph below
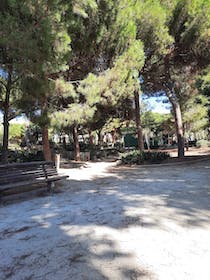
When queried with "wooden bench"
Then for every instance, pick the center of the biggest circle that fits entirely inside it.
(20, 175)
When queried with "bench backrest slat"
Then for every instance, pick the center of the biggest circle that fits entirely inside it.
(21, 177)
(12, 173)
(22, 164)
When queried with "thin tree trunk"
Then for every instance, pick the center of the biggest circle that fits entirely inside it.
(114, 136)
(138, 121)
(179, 124)
(99, 139)
(46, 144)
(147, 140)
(90, 137)
(5, 137)
(179, 129)
(76, 143)
(6, 106)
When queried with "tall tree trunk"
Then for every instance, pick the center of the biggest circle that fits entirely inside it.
(6, 106)
(76, 143)
(178, 123)
(90, 137)
(138, 120)
(99, 138)
(5, 137)
(114, 136)
(46, 144)
(147, 140)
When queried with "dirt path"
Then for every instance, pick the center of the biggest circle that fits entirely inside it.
(118, 223)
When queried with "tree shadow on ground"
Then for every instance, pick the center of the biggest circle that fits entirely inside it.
(50, 238)
(177, 193)
(76, 234)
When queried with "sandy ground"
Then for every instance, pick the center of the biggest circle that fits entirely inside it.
(192, 151)
(118, 223)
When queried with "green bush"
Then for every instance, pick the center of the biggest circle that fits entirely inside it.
(202, 143)
(16, 131)
(141, 157)
(24, 156)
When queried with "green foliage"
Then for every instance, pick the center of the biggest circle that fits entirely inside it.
(112, 124)
(16, 131)
(140, 157)
(105, 90)
(152, 29)
(34, 44)
(202, 143)
(100, 36)
(33, 38)
(63, 89)
(115, 83)
(90, 88)
(155, 122)
(15, 95)
(103, 44)
(24, 156)
(204, 82)
(74, 114)
(196, 113)
(203, 85)
(190, 25)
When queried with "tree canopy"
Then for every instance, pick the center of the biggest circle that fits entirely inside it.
(81, 63)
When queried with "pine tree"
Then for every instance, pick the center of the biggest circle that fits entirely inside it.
(187, 23)
(33, 46)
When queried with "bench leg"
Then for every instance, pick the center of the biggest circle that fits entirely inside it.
(50, 186)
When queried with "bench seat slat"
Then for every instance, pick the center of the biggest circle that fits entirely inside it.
(26, 175)
(22, 175)
(38, 181)
(18, 175)
(25, 172)
(27, 179)
(56, 178)
(21, 184)
(22, 178)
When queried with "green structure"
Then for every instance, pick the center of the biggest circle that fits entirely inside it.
(130, 141)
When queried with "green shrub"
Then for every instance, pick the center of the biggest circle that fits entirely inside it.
(16, 131)
(141, 157)
(24, 156)
(202, 143)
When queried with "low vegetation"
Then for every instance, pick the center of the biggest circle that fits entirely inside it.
(142, 157)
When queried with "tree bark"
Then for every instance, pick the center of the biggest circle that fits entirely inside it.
(46, 144)
(178, 123)
(6, 106)
(76, 143)
(90, 137)
(99, 139)
(138, 120)
(114, 136)
(147, 140)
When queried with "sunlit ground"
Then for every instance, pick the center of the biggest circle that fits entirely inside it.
(112, 223)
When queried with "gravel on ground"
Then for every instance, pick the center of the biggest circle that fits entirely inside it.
(109, 222)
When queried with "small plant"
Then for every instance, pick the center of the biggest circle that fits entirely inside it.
(141, 157)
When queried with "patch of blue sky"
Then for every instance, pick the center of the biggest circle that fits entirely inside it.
(20, 119)
(3, 73)
(158, 104)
